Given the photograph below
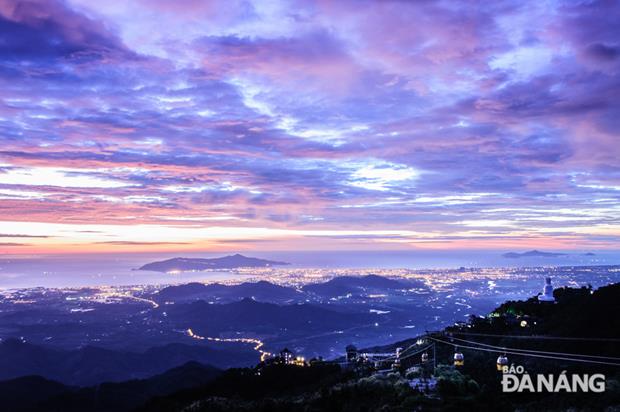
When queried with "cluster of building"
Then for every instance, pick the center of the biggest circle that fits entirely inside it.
(287, 357)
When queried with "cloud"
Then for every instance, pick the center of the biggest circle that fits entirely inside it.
(47, 176)
(23, 236)
(315, 57)
(321, 115)
(603, 52)
(133, 243)
(363, 237)
(37, 30)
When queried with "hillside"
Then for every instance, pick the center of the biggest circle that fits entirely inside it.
(343, 285)
(262, 291)
(92, 365)
(34, 393)
(260, 317)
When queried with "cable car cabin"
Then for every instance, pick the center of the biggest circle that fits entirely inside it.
(501, 362)
(459, 359)
(396, 365)
(425, 357)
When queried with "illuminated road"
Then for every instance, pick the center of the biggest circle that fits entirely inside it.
(258, 344)
(150, 302)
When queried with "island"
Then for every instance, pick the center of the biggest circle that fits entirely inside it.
(181, 264)
(532, 253)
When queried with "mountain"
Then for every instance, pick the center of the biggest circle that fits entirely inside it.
(34, 393)
(260, 317)
(262, 291)
(532, 253)
(91, 365)
(227, 262)
(275, 388)
(357, 284)
(28, 391)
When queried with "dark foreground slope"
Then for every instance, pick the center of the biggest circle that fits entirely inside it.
(92, 365)
(34, 393)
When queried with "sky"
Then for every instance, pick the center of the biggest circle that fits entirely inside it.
(154, 125)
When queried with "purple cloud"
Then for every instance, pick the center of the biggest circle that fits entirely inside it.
(415, 116)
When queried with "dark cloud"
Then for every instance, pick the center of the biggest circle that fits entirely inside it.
(361, 237)
(23, 236)
(603, 51)
(38, 30)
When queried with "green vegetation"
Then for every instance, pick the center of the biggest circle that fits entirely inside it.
(372, 393)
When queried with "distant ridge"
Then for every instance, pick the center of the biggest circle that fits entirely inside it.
(181, 264)
(357, 284)
(262, 291)
(532, 253)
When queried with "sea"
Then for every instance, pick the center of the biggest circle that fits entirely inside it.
(83, 270)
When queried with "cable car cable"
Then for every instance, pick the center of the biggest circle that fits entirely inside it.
(540, 351)
(526, 354)
(576, 338)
